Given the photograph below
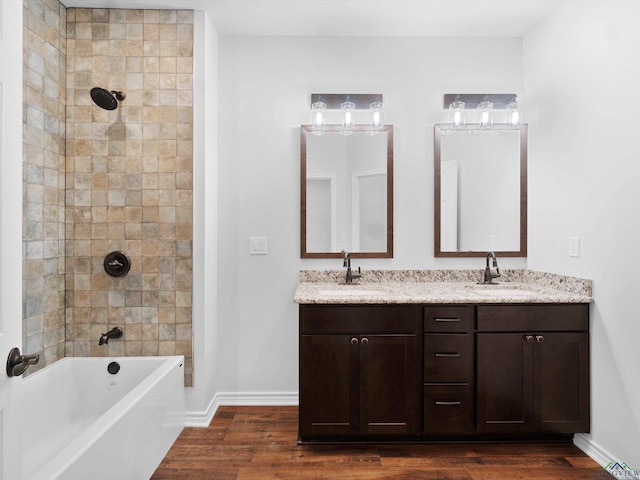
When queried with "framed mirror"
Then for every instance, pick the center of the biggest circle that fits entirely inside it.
(480, 191)
(346, 193)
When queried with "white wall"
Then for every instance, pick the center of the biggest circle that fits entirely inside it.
(205, 222)
(265, 87)
(581, 66)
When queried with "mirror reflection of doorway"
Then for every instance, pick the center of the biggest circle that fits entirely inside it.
(449, 206)
(369, 211)
(321, 213)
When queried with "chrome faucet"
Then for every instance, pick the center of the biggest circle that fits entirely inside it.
(488, 276)
(350, 277)
(115, 332)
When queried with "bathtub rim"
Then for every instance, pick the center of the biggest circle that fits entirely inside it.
(69, 454)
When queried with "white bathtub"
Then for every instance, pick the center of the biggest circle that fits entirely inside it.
(81, 422)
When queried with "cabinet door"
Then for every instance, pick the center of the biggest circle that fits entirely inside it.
(504, 385)
(329, 385)
(390, 380)
(535, 386)
(561, 382)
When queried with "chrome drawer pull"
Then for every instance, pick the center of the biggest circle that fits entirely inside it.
(448, 403)
(447, 354)
(447, 319)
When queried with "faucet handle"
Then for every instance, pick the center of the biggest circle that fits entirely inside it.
(17, 363)
(347, 259)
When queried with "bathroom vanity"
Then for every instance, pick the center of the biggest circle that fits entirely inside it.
(429, 361)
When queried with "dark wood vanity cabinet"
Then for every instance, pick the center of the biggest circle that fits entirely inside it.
(533, 369)
(411, 372)
(359, 371)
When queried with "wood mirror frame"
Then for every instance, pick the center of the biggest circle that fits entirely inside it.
(522, 251)
(306, 130)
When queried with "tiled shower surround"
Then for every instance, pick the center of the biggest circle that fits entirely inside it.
(44, 96)
(128, 182)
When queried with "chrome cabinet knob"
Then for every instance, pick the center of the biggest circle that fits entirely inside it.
(354, 341)
(365, 341)
(529, 338)
(539, 338)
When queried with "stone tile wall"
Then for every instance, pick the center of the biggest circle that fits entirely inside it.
(44, 96)
(129, 181)
(97, 181)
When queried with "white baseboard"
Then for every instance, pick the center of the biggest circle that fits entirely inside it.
(203, 418)
(593, 450)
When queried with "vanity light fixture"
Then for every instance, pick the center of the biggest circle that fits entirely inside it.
(317, 118)
(485, 105)
(347, 104)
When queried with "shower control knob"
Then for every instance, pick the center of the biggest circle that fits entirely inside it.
(116, 264)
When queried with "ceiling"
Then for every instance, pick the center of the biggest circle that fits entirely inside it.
(483, 18)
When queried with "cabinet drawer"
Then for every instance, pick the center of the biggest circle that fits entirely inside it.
(448, 319)
(532, 318)
(448, 409)
(359, 318)
(448, 357)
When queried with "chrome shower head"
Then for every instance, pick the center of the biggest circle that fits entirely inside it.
(107, 99)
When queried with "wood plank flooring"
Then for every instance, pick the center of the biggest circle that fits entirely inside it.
(249, 443)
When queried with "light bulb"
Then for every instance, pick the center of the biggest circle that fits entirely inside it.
(513, 110)
(377, 121)
(376, 115)
(348, 109)
(317, 118)
(348, 119)
(485, 118)
(457, 119)
(457, 113)
(486, 113)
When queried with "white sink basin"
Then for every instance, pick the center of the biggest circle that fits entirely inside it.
(352, 293)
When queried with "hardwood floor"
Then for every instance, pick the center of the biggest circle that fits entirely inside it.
(247, 443)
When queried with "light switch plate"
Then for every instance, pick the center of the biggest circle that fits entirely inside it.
(574, 246)
(257, 245)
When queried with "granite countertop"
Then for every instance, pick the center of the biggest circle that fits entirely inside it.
(440, 287)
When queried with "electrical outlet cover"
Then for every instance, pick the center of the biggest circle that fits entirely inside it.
(574, 246)
(258, 245)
